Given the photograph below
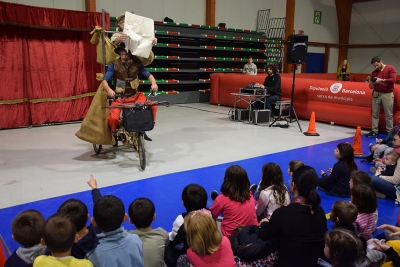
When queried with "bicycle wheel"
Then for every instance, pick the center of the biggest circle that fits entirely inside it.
(97, 148)
(141, 150)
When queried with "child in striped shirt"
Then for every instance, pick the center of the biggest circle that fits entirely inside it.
(364, 198)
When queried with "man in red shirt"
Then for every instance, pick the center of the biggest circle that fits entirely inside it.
(382, 83)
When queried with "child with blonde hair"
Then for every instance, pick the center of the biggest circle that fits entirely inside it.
(207, 247)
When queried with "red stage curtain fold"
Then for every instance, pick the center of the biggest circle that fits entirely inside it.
(47, 74)
(30, 16)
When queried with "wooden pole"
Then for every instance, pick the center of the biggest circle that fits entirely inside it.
(210, 12)
(326, 58)
(343, 13)
(90, 5)
(289, 28)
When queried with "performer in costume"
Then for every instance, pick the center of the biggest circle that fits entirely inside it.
(127, 67)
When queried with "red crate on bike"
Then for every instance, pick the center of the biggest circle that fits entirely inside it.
(138, 119)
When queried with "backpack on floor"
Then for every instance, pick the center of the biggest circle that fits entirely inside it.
(249, 247)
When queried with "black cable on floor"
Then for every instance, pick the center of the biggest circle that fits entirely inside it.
(179, 105)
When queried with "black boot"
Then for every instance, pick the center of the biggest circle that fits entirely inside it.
(116, 141)
(146, 137)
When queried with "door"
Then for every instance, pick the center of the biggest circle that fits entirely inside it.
(315, 63)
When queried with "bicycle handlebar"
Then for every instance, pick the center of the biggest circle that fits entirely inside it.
(140, 104)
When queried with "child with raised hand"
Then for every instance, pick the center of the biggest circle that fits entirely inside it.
(142, 214)
(337, 183)
(77, 211)
(58, 235)
(342, 247)
(364, 198)
(236, 202)
(272, 193)
(207, 247)
(27, 230)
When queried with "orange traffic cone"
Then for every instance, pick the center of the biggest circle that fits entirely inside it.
(312, 129)
(357, 144)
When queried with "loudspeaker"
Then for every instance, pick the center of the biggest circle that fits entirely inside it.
(240, 114)
(261, 116)
(296, 52)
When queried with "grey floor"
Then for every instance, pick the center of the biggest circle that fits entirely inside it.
(48, 161)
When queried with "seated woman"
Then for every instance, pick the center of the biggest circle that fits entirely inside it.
(384, 185)
(300, 227)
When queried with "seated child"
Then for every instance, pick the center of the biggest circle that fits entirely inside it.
(31, 222)
(343, 248)
(236, 203)
(390, 162)
(294, 165)
(337, 183)
(362, 178)
(272, 193)
(194, 197)
(58, 235)
(207, 246)
(77, 212)
(359, 177)
(380, 162)
(142, 214)
(116, 247)
(343, 215)
(364, 198)
(383, 146)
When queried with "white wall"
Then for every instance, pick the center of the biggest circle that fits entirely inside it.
(327, 32)
(185, 11)
(375, 22)
(243, 14)
(235, 13)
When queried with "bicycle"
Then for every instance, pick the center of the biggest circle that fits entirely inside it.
(136, 119)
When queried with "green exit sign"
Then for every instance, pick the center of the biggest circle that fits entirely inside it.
(317, 17)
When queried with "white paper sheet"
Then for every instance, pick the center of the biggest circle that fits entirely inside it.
(140, 31)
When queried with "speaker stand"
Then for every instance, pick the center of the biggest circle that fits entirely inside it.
(290, 108)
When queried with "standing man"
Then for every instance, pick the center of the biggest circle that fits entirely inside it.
(382, 83)
(272, 84)
(250, 68)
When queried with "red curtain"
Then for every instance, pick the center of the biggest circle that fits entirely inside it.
(47, 70)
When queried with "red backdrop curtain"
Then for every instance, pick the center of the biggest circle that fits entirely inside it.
(48, 67)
